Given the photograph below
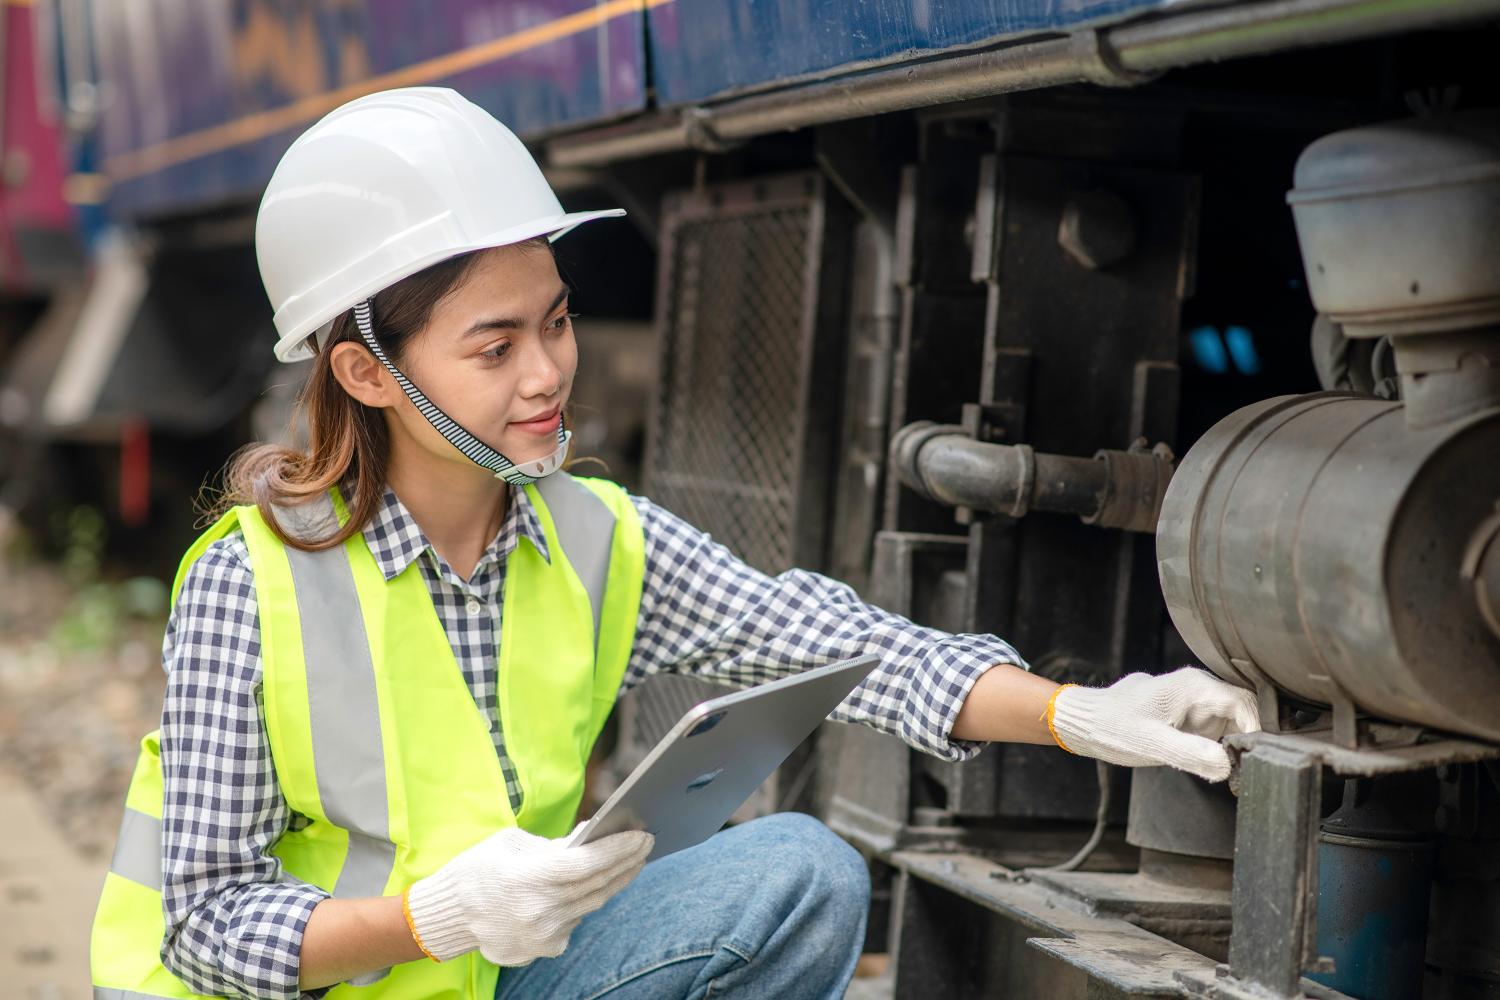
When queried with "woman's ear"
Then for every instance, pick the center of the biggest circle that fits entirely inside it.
(361, 375)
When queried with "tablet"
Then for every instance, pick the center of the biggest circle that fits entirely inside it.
(718, 754)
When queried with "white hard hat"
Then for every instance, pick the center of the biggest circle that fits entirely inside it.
(383, 187)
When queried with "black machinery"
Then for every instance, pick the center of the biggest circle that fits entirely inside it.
(985, 316)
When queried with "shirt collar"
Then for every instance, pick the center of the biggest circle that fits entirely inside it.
(396, 541)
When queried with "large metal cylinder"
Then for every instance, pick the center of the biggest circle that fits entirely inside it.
(1375, 857)
(1319, 541)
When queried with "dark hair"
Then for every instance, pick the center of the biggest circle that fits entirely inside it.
(348, 443)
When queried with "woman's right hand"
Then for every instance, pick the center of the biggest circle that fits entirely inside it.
(517, 897)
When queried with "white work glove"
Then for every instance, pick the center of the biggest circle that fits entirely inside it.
(517, 897)
(1141, 720)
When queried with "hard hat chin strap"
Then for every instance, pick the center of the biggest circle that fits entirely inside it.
(476, 450)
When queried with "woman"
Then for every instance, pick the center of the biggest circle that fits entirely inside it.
(389, 661)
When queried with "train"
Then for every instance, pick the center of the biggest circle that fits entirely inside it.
(1138, 332)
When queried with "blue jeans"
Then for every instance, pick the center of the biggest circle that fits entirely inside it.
(774, 907)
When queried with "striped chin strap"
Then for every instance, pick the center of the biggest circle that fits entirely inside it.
(477, 451)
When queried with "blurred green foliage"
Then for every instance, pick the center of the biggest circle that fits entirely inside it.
(100, 610)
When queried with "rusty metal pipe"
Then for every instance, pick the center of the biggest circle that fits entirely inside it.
(945, 464)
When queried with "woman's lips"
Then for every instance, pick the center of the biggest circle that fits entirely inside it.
(542, 425)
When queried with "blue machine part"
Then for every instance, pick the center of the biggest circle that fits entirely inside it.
(1241, 346)
(1208, 350)
(1372, 914)
(203, 98)
(710, 48)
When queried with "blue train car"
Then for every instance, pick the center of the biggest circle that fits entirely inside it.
(203, 97)
(186, 106)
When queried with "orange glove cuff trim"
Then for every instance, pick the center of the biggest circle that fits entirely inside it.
(1051, 708)
(411, 925)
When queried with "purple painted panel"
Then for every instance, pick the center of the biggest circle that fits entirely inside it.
(204, 95)
(33, 214)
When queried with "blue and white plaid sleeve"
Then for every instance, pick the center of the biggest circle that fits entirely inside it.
(234, 928)
(705, 612)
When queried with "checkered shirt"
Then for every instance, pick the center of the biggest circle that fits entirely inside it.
(235, 922)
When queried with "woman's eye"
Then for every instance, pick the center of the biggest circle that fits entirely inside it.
(563, 320)
(497, 352)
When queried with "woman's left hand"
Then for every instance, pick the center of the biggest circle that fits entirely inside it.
(1142, 720)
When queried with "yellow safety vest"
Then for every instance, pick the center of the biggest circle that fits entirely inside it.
(375, 736)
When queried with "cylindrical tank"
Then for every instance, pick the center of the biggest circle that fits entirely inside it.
(1318, 540)
(1375, 856)
(1173, 812)
(1399, 224)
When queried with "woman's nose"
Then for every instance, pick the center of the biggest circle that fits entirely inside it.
(542, 376)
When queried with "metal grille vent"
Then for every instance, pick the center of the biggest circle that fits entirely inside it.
(742, 423)
(727, 444)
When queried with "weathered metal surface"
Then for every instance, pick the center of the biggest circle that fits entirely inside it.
(741, 436)
(1194, 916)
(941, 321)
(206, 96)
(1221, 984)
(710, 48)
(1175, 812)
(1451, 375)
(1123, 318)
(1114, 489)
(872, 337)
(1373, 895)
(1097, 229)
(971, 928)
(1135, 484)
(1275, 871)
(741, 439)
(1389, 750)
(944, 464)
(1400, 224)
(1481, 569)
(1314, 543)
(1116, 56)
(1017, 578)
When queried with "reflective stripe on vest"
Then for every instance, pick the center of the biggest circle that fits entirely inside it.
(138, 850)
(348, 755)
(585, 526)
(101, 993)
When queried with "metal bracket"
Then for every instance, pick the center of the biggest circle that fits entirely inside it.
(1274, 908)
(1267, 697)
(1346, 724)
(1278, 780)
(1099, 63)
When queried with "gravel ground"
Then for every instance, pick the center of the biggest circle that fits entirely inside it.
(80, 684)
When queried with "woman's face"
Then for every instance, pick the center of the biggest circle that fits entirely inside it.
(498, 356)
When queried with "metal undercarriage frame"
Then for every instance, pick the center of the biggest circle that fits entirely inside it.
(963, 925)
(993, 303)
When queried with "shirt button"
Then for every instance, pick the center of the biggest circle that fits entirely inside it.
(473, 606)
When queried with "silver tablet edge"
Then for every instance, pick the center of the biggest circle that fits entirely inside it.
(695, 715)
